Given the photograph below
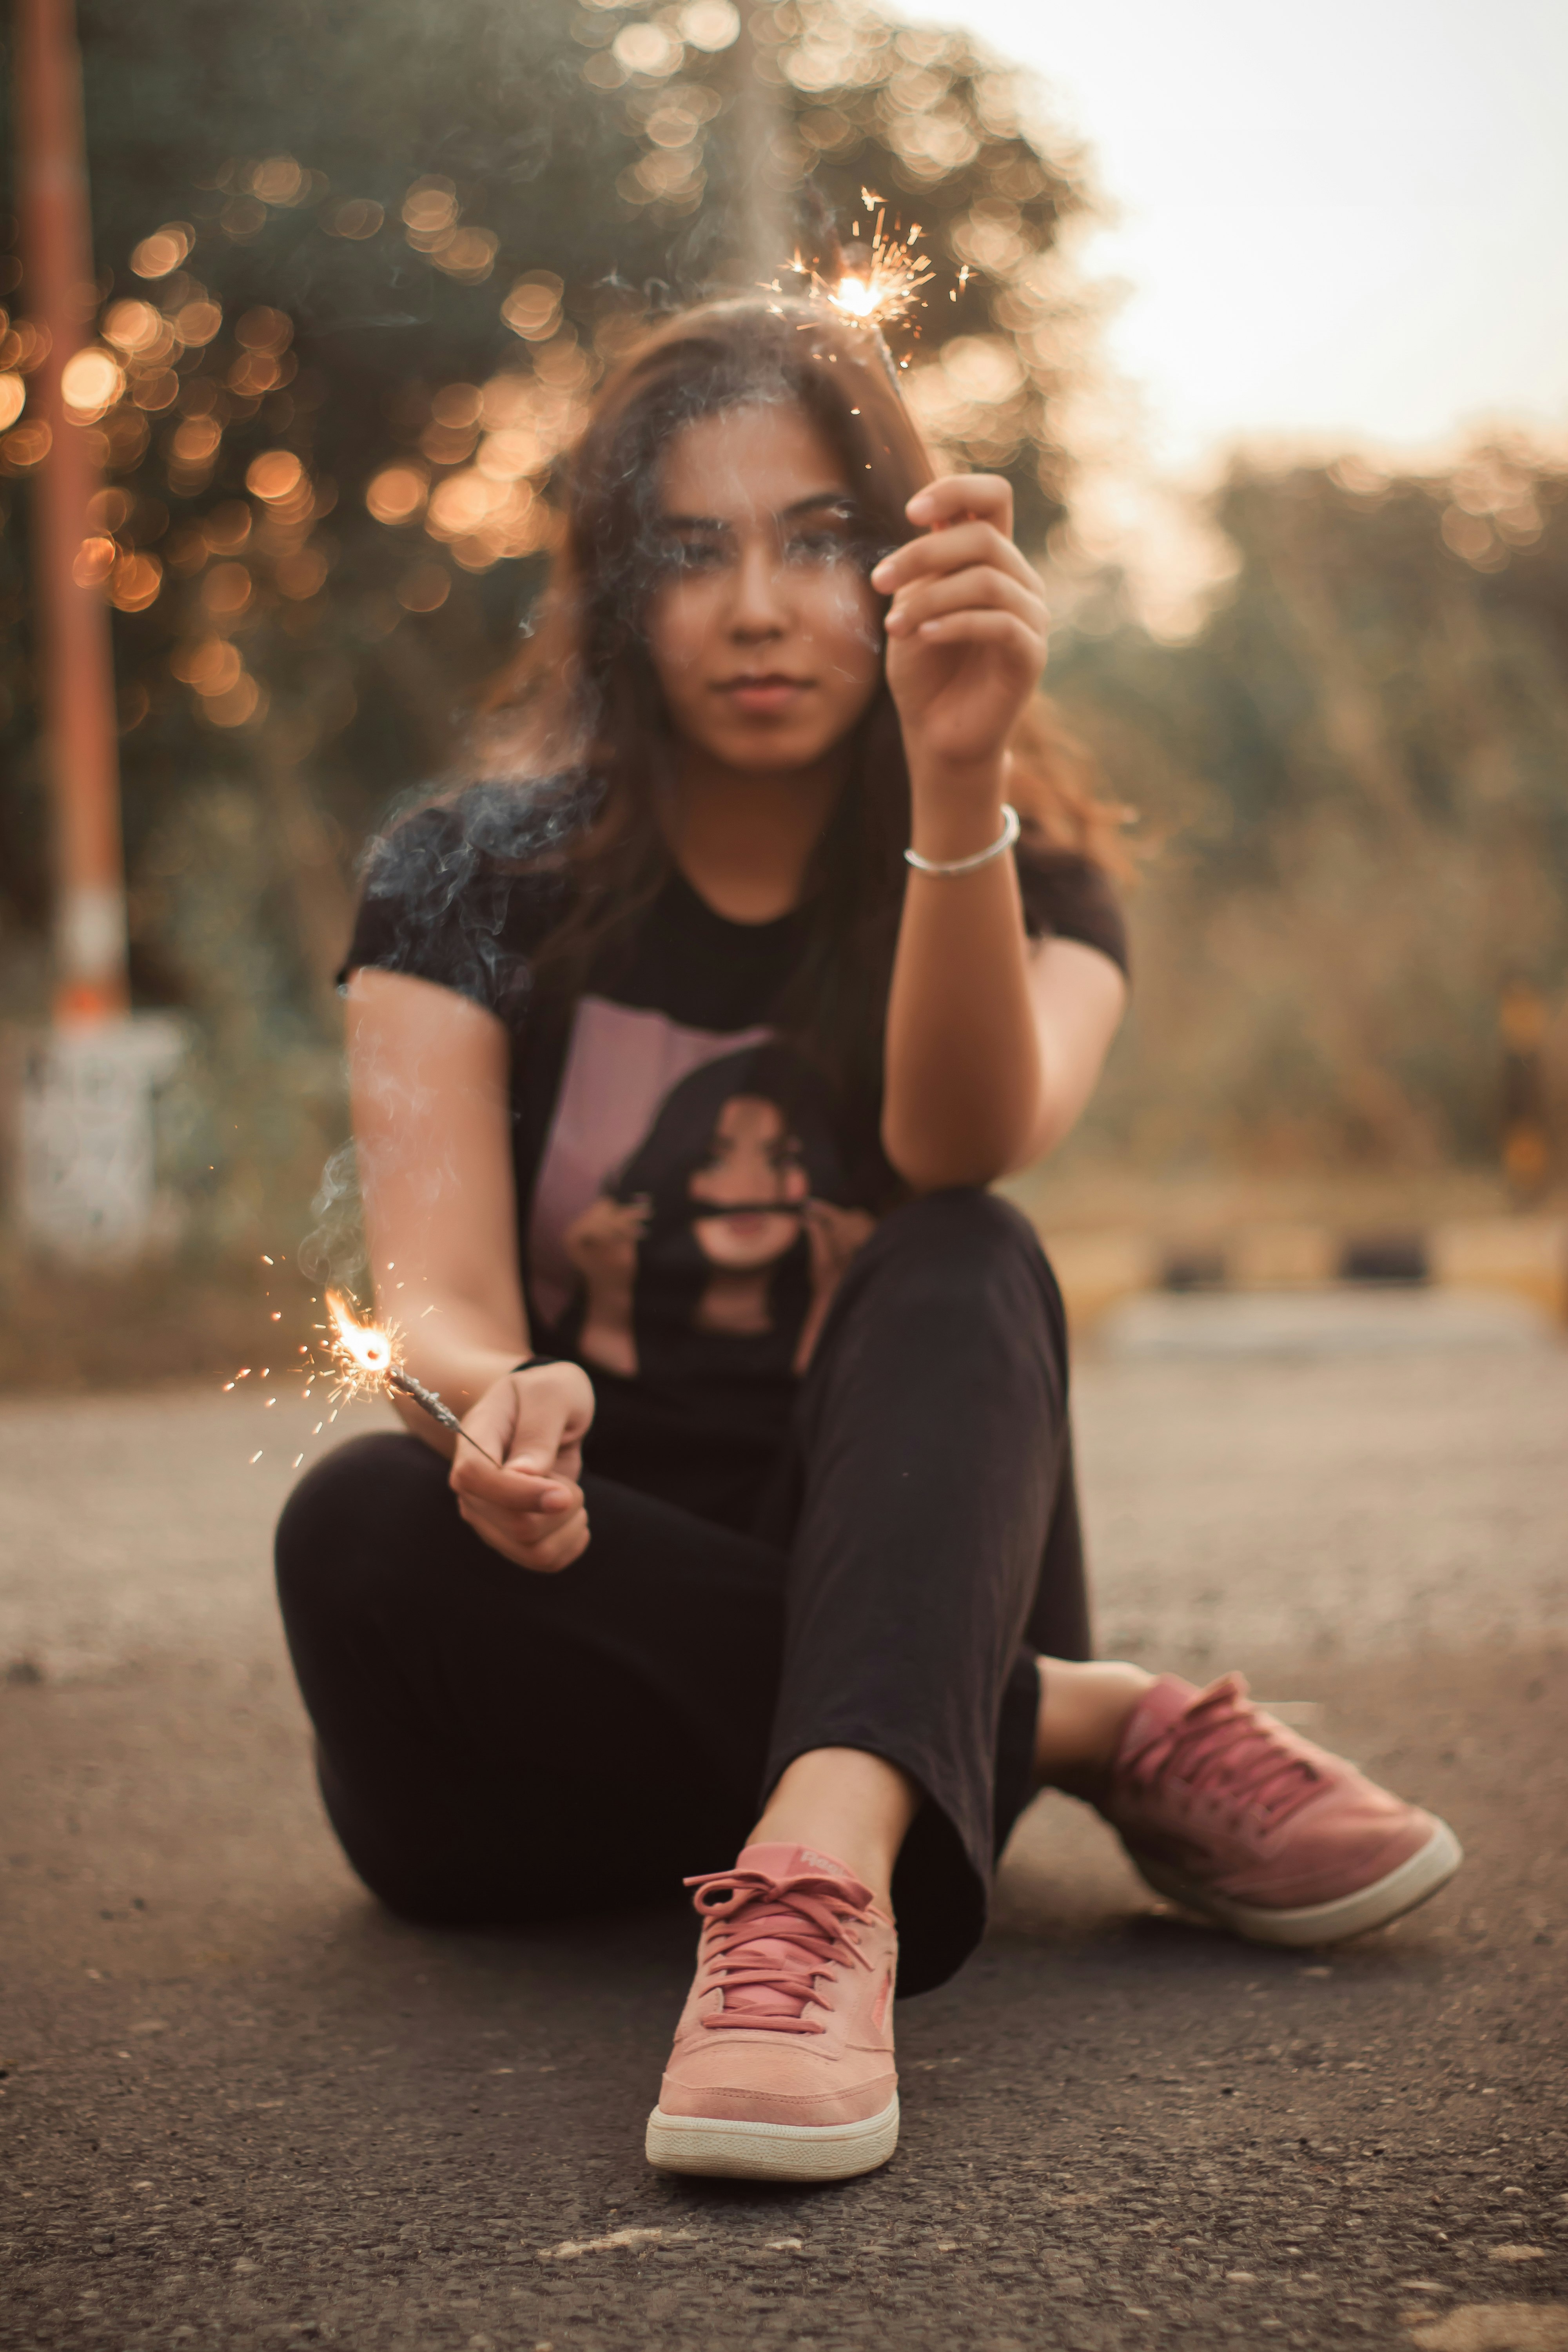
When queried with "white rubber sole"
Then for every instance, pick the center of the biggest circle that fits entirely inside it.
(1321, 1923)
(726, 2150)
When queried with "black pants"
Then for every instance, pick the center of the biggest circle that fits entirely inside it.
(499, 1746)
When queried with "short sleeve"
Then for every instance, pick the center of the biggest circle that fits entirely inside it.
(436, 902)
(1069, 897)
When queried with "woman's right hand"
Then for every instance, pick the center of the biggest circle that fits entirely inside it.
(532, 1510)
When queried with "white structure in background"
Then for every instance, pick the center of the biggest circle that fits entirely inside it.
(89, 1188)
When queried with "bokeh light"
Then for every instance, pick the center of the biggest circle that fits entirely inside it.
(110, 510)
(26, 445)
(13, 399)
(136, 326)
(228, 526)
(710, 24)
(430, 211)
(264, 329)
(94, 561)
(227, 590)
(156, 392)
(532, 309)
(196, 441)
(458, 405)
(197, 321)
(236, 705)
(276, 476)
(468, 254)
(396, 494)
(643, 48)
(278, 181)
(358, 218)
(164, 250)
(301, 573)
(210, 664)
(135, 581)
(424, 589)
(90, 381)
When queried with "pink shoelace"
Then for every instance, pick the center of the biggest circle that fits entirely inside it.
(1223, 1746)
(770, 1942)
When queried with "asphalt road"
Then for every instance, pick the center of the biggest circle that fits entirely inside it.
(244, 2109)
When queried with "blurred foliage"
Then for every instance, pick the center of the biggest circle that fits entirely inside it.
(359, 268)
(1356, 780)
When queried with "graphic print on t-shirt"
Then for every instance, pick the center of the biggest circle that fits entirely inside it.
(689, 1217)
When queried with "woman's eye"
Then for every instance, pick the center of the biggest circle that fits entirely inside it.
(817, 547)
(692, 555)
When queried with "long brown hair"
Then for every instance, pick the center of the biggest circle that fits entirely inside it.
(582, 698)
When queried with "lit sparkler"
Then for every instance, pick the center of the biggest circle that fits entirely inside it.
(880, 279)
(366, 1359)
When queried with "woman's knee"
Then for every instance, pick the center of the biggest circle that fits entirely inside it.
(352, 1513)
(967, 1248)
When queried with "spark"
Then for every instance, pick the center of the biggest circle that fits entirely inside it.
(881, 283)
(368, 1360)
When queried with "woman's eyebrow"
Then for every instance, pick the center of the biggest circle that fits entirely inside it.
(792, 513)
(819, 498)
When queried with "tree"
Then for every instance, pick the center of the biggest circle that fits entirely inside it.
(1358, 770)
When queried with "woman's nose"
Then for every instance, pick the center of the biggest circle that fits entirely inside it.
(759, 609)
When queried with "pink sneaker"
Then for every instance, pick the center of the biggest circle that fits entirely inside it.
(1226, 1811)
(783, 2065)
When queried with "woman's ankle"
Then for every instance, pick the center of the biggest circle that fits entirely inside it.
(1084, 1711)
(852, 1806)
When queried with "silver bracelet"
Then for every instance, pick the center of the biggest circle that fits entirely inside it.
(1009, 833)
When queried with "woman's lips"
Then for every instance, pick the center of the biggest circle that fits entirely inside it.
(765, 693)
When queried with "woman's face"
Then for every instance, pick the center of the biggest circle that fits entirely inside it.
(753, 1162)
(764, 632)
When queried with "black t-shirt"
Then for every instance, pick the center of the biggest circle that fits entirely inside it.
(689, 1188)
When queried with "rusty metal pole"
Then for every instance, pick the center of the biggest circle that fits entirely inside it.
(75, 666)
(88, 1129)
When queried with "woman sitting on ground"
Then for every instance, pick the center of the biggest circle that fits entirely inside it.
(683, 1049)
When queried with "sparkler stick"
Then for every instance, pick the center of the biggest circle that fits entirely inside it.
(428, 1401)
(365, 1358)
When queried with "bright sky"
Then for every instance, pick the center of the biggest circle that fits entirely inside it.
(1346, 221)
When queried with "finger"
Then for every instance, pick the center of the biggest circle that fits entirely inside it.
(520, 1540)
(518, 1487)
(957, 591)
(532, 1504)
(520, 1484)
(1002, 631)
(953, 496)
(547, 1560)
(949, 550)
(555, 1552)
(518, 1526)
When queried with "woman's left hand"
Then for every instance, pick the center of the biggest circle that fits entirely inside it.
(966, 628)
